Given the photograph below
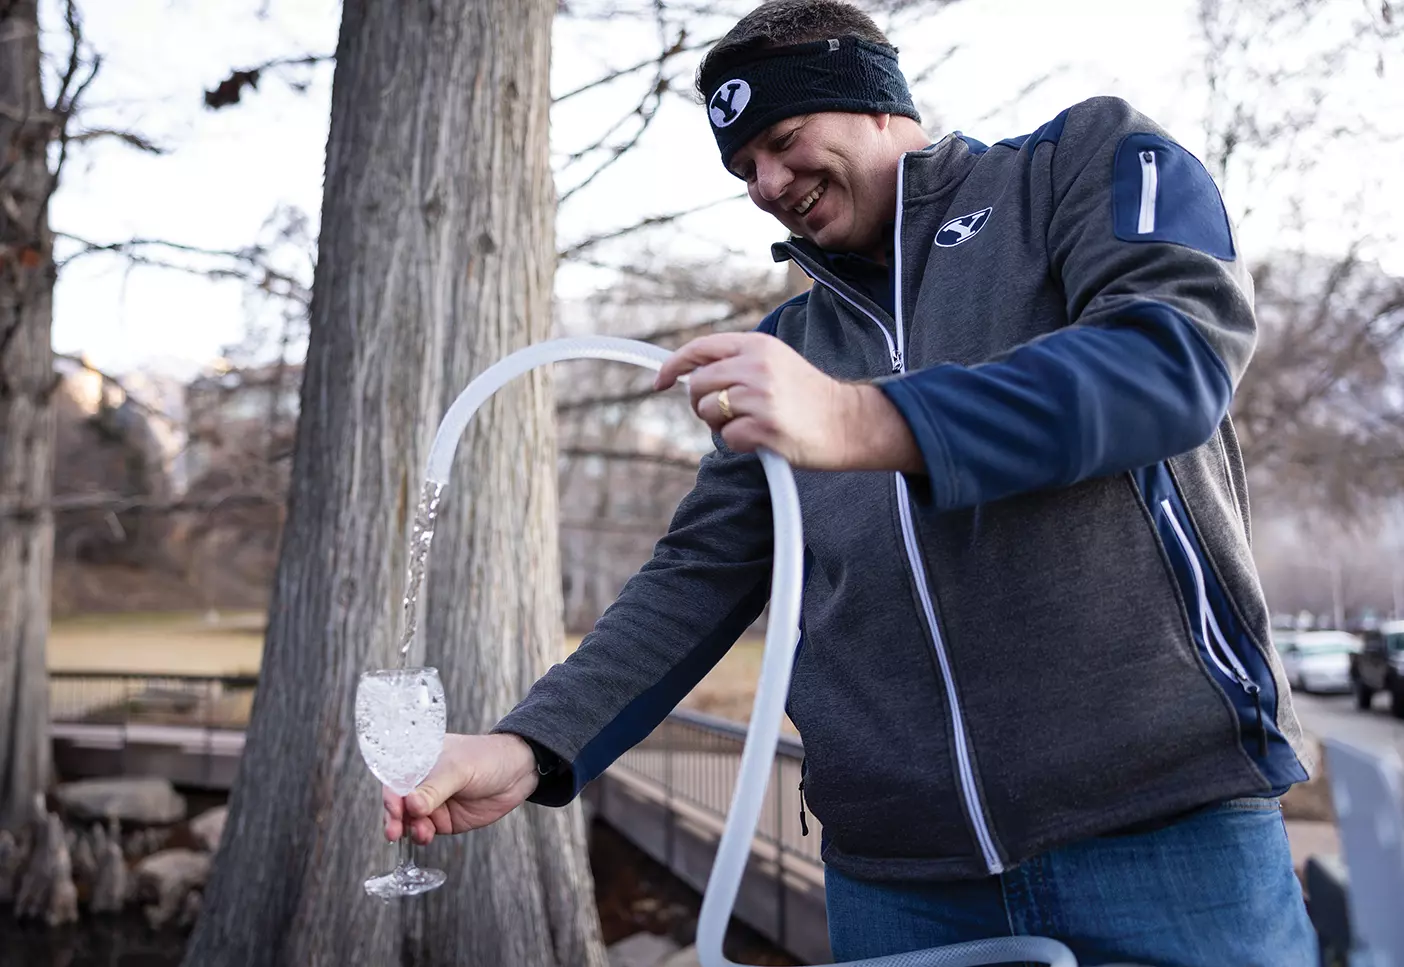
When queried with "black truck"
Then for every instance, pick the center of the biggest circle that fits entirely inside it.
(1379, 667)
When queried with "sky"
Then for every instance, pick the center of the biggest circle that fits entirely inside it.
(226, 172)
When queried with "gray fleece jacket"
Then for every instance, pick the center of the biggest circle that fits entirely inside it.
(1057, 631)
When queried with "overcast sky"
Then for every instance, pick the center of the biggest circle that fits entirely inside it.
(228, 170)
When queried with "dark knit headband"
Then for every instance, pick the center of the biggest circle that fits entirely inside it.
(849, 74)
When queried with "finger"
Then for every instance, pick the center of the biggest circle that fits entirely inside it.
(422, 829)
(744, 435)
(734, 371)
(394, 829)
(443, 822)
(394, 802)
(709, 409)
(700, 352)
(443, 781)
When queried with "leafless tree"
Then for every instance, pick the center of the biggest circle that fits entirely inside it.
(1290, 83)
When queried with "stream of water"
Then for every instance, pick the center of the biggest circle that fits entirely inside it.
(421, 536)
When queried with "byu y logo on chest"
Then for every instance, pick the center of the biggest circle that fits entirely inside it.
(963, 228)
(728, 102)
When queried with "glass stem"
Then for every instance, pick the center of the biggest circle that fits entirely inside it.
(406, 861)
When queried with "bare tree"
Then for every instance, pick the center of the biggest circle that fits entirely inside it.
(26, 410)
(436, 258)
(1319, 408)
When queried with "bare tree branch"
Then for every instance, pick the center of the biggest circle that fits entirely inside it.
(129, 138)
(138, 504)
(631, 456)
(250, 264)
(680, 46)
(652, 221)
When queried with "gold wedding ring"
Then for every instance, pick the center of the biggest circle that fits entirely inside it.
(724, 404)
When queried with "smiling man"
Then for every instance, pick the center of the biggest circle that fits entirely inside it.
(1035, 685)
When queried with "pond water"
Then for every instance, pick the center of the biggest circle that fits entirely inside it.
(633, 892)
(95, 941)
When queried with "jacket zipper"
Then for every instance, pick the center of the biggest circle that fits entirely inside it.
(1210, 631)
(896, 350)
(804, 827)
(1150, 182)
(904, 505)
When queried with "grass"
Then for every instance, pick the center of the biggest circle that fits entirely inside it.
(189, 644)
(174, 643)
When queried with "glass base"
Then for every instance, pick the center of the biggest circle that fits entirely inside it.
(404, 881)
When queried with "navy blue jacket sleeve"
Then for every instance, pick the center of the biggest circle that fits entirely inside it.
(1160, 328)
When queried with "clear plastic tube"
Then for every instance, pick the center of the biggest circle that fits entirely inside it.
(782, 635)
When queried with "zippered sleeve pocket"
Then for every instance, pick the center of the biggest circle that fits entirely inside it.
(1162, 193)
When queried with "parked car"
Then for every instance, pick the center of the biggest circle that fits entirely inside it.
(1379, 667)
(1319, 661)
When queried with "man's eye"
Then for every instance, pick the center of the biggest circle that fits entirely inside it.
(784, 141)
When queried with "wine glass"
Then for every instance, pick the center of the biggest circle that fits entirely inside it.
(400, 728)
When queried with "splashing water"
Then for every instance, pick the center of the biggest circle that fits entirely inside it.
(420, 538)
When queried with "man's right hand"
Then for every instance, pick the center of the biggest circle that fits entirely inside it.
(477, 780)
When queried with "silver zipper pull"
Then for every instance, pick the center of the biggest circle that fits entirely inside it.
(896, 361)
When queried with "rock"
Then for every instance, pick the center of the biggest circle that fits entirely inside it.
(11, 859)
(641, 950)
(687, 957)
(208, 828)
(146, 800)
(164, 879)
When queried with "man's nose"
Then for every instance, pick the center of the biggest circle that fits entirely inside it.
(772, 180)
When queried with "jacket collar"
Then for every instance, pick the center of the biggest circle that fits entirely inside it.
(930, 175)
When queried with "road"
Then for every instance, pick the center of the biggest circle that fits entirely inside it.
(1335, 716)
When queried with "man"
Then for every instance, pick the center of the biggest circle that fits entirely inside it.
(1035, 684)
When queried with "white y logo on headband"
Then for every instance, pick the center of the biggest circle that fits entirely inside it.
(729, 101)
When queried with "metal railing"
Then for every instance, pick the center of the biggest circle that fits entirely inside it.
(693, 758)
(187, 728)
(126, 698)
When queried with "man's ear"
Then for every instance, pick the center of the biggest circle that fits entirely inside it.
(883, 121)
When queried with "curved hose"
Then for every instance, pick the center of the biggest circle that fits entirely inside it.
(782, 635)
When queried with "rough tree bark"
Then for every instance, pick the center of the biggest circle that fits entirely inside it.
(26, 412)
(435, 259)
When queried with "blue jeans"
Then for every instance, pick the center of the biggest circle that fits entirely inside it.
(1214, 889)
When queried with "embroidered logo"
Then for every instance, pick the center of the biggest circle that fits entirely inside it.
(962, 229)
(728, 102)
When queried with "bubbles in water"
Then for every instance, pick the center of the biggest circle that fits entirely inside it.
(399, 737)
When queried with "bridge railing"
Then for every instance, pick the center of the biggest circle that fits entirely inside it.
(693, 758)
(125, 698)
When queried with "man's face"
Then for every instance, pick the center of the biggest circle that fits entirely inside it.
(829, 177)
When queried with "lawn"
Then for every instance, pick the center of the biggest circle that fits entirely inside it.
(192, 644)
(169, 643)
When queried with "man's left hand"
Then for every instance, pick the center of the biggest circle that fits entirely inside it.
(779, 401)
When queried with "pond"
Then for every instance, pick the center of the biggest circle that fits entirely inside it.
(633, 892)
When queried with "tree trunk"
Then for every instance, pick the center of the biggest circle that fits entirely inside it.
(435, 259)
(26, 413)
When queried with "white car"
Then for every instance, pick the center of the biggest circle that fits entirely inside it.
(1319, 661)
